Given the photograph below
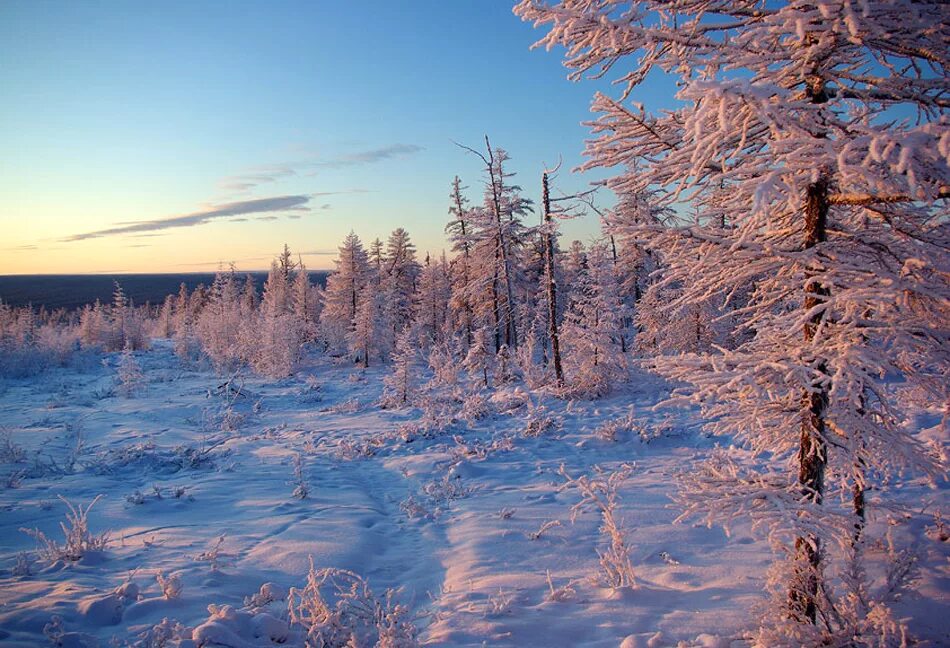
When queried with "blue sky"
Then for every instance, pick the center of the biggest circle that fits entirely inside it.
(255, 124)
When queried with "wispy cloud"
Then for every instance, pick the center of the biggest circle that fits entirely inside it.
(256, 206)
(368, 157)
(20, 248)
(244, 182)
(256, 177)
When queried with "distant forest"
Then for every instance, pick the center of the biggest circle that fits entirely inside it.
(76, 290)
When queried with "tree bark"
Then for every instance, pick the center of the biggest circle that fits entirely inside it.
(552, 284)
(812, 451)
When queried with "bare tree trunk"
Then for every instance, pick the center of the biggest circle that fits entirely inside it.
(496, 309)
(552, 284)
(812, 452)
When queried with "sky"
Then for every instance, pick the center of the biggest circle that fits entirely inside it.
(179, 136)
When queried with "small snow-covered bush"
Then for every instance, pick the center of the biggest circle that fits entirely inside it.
(337, 608)
(301, 490)
(562, 593)
(499, 604)
(539, 421)
(600, 492)
(171, 585)
(549, 524)
(267, 594)
(213, 554)
(166, 634)
(79, 540)
(610, 429)
(475, 406)
(443, 491)
(129, 377)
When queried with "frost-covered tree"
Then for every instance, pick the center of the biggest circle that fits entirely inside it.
(277, 341)
(399, 280)
(460, 232)
(129, 376)
(499, 239)
(480, 360)
(820, 131)
(185, 339)
(306, 299)
(593, 357)
(220, 322)
(342, 294)
(127, 324)
(165, 322)
(432, 302)
(371, 331)
(400, 385)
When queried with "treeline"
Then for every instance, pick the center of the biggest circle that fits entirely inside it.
(510, 303)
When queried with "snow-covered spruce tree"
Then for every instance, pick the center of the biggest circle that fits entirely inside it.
(593, 357)
(341, 297)
(432, 301)
(636, 266)
(306, 300)
(129, 376)
(400, 385)
(370, 329)
(399, 280)
(277, 342)
(219, 324)
(480, 360)
(821, 130)
(164, 323)
(94, 326)
(184, 338)
(460, 232)
(499, 236)
(126, 324)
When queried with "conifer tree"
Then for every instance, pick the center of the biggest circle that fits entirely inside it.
(342, 294)
(808, 189)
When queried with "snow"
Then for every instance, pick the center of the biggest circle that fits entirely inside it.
(466, 565)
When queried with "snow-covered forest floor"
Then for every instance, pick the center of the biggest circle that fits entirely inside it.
(471, 522)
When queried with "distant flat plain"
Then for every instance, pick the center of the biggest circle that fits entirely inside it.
(71, 291)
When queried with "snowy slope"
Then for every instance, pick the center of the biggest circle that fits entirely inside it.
(450, 516)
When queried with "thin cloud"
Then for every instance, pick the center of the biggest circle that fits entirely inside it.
(256, 206)
(256, 177)
(19, 248)
(245, 182)
(368, 157)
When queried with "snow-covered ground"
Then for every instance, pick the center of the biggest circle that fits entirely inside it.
(471, 522)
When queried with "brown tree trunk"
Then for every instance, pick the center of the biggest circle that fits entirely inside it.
(552, 284)
(624, 321)
(469, 314)
(812, 452)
